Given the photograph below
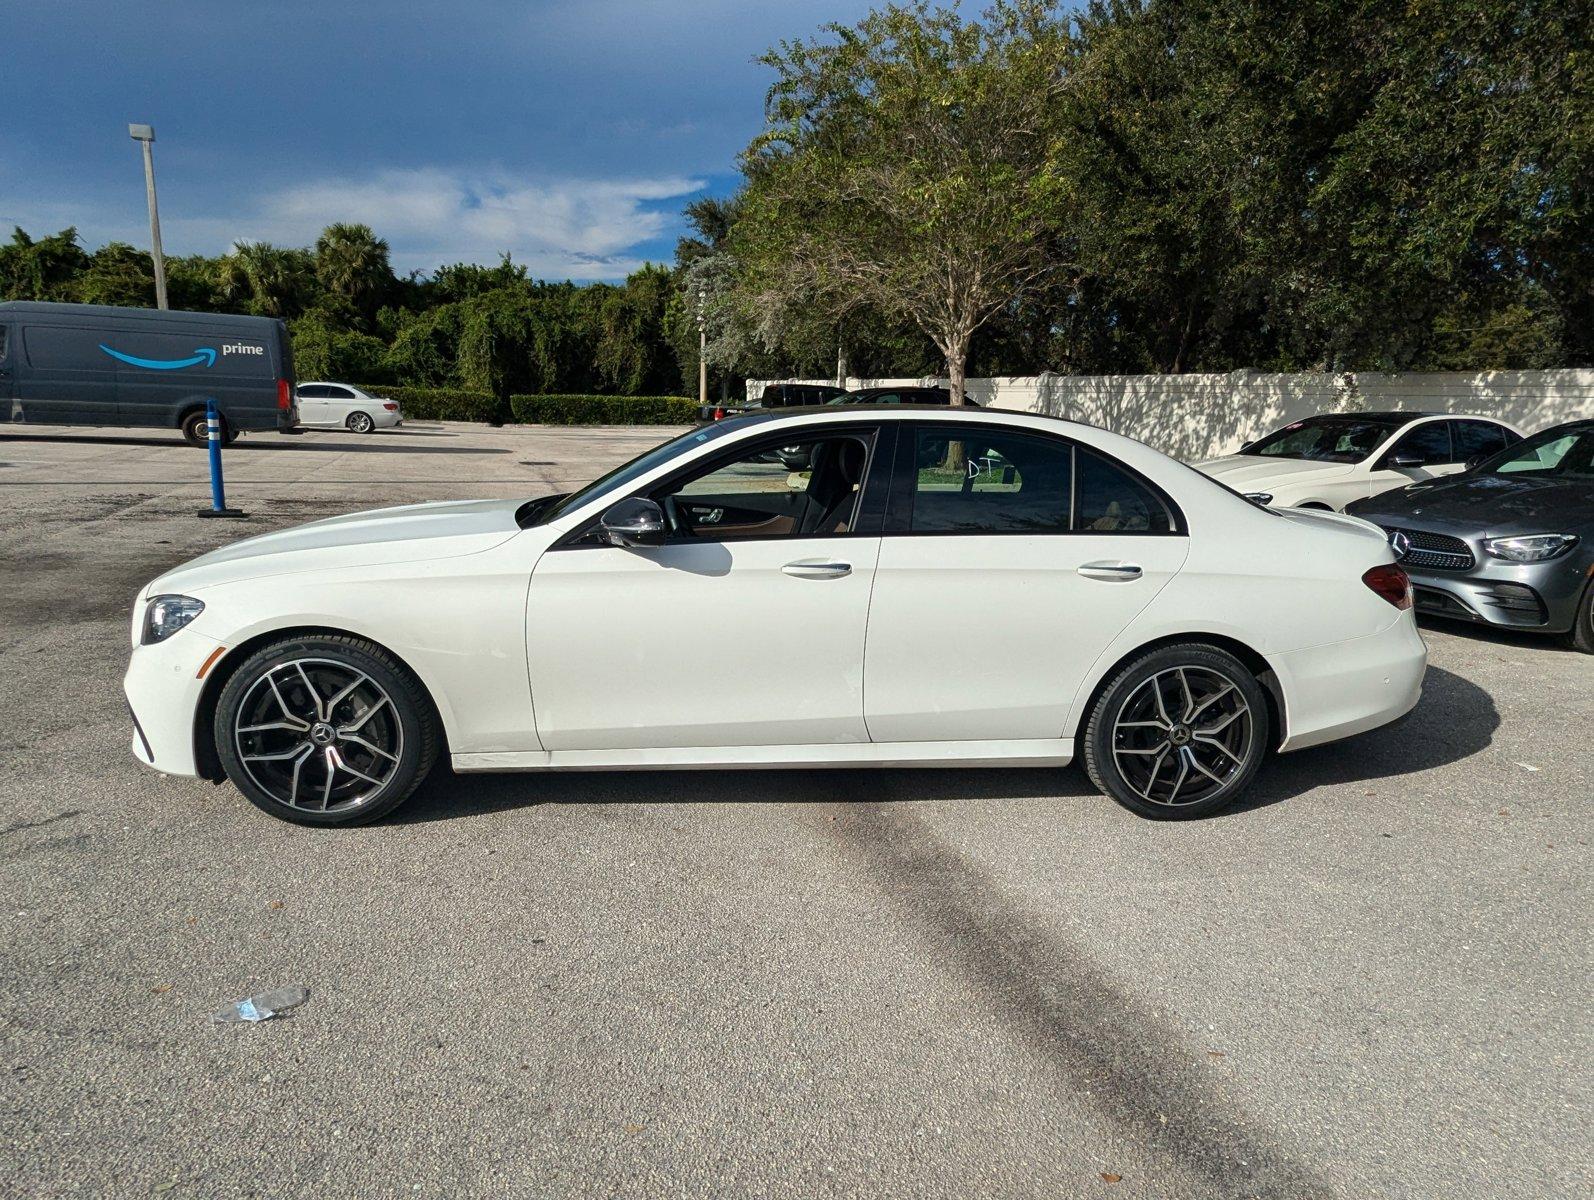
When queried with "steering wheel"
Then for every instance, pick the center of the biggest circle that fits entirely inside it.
(680, 524)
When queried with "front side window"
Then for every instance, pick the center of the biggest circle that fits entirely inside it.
(627, 473)
(1344, 439)
(809, 487)
(1549, 454)
(1428, 444)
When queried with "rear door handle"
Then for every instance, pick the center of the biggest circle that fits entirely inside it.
(817, 568)
(1117, 571)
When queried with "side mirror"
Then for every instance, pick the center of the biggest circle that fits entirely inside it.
(631, 523)
(1473, 461)
(1404, 462)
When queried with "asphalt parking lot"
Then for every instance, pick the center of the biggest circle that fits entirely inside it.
(1370, 980)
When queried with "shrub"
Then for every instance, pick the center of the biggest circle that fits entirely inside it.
(604, 410)
(441, 403)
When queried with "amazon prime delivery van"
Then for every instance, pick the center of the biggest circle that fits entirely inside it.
(90, 364)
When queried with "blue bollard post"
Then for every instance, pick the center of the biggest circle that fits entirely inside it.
(218, 496)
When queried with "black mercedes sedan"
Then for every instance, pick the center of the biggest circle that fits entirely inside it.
(1508, 542)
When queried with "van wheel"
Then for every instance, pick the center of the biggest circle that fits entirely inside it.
(360, 423)
(196, 431)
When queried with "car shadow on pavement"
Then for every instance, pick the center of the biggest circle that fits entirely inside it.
(1454, 720)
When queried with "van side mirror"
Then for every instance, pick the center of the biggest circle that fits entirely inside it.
(633, 522)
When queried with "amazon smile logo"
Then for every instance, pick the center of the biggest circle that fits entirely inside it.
(204, 354)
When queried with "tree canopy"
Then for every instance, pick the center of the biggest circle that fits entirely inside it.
(1141, 185)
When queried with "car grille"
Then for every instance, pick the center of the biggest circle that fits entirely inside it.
(1436, 551)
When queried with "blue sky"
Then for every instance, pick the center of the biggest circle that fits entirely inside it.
(569, 132)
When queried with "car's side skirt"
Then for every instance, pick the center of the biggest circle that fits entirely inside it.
(1028, 752)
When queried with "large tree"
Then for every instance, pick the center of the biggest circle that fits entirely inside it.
(352, 262)
(906, 168)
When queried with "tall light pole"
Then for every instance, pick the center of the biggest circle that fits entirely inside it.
(702, 351)
(146, 135)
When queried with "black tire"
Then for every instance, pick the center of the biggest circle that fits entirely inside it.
(1223, 762)
(335, 771)
(196, 430)
(360, 422)
(1583, 622)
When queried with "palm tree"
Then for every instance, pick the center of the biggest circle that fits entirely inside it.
(352, 262)
(272, 281)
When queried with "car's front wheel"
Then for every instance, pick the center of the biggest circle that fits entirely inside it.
(325, 730)
(360, 423)
(1583, 622)
(1179, 732)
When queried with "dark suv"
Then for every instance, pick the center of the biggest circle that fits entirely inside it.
(899, 395)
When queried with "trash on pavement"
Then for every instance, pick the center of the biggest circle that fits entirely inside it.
(264, 1006)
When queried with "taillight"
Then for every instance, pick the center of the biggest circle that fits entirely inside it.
(390, 406)
(1392, 583)
(719, 414)
(284, 395)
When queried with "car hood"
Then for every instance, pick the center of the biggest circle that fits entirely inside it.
(1252, 472)
(1487, 505)
(384, 535)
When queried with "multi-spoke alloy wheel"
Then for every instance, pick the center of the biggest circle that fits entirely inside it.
(1182, 735)
(1178, 733)
(318, 734)
(324, 731)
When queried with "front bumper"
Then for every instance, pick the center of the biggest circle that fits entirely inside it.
(162, 686)
(1533, 596)
(1345, 688)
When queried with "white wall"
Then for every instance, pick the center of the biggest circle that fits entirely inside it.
(1198, 416)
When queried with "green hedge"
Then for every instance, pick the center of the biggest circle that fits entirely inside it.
(457, 404)
(604, 410)
(441, 403)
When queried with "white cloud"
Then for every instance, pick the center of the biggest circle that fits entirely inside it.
(586, 229)
(559, 228)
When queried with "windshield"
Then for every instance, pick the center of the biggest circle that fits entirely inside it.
(623, 475)
(1553, 454)
(1347, 439)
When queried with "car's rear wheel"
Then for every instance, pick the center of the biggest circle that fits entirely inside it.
(325, 730)
(1179, 732)
(360, 422)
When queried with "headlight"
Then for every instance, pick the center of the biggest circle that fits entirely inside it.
(1533, 547)
(167, 614)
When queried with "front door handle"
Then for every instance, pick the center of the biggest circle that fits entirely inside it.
(817, 568)
(1117, 571)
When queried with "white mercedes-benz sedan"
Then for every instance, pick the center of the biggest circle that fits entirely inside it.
(1329, 461)
(934, 587)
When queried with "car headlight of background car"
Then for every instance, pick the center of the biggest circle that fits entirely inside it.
(167, 614)
(1535, 547)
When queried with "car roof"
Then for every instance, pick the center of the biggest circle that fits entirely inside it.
(889, 412)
